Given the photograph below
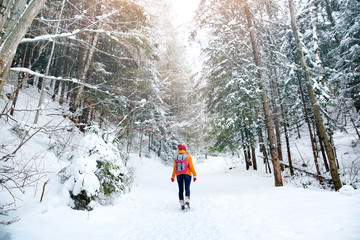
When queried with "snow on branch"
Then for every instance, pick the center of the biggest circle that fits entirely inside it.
(50, 37)
(31, 72)
(72, 34)
(77, 31)
(73, 80)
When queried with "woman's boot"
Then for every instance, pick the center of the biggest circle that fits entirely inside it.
(182, 204)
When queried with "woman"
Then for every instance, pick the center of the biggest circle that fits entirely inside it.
(184, 170)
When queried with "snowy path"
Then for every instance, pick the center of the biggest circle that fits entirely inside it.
(237, 205)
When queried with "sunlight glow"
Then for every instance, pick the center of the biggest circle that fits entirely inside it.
(183, 10)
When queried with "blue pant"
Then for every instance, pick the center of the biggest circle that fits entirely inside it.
(184, 179)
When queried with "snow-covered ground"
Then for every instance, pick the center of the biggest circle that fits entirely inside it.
(225, 204)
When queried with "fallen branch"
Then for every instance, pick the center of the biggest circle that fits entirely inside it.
(43, 191)
(328, 180)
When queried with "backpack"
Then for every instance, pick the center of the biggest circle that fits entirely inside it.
(181, 163)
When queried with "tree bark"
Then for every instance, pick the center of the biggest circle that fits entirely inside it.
(284, 126)
(246, 158)
(312, 137)
(276, 119)
(89, 60)
(21, 79)
(9, 46)
(327, 168)
(141, 139)
(264, 152)
(269, 123)
(253, 157)
(315, 106)
(10, 13)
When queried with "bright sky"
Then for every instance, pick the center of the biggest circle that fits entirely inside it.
(183, 12)
(184, 9)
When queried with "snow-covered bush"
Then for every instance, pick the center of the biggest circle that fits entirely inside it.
(113, 180)
(97, 172)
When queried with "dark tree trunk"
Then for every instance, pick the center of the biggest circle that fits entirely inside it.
(253, 158)
(246, 158)
(264, 152)
(276, 119)
(265, 102)
(327, 168)
(284, 125)
(310, 131)
(21, 79)
(318, 118)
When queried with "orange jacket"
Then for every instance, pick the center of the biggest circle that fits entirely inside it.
(190, 171)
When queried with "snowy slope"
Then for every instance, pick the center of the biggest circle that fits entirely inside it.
(226, 204)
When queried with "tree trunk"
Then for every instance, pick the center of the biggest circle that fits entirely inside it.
(10, 13)
(329, 13)
(159, 150)
(315, 106)
(298, 130)
(284, 126)
(333, 147)
(141, 139)
(89, 60)
(249, 155)
(354, 125)
(21, 79)
(85, 79)
(16, 93)
(62, 92)
(8, 49)
(276, 119)
(84, 118)
(101, 120)
(269, 123)
(253, 157)
(246, 158)
(56, 90)
(57, 73)
(264, 152)
(5, 8)
(327, 168)
(65, 71)
(312, 137)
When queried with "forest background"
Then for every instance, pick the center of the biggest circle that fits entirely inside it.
(241, 78)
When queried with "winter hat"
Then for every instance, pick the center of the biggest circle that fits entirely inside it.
(181, 147)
